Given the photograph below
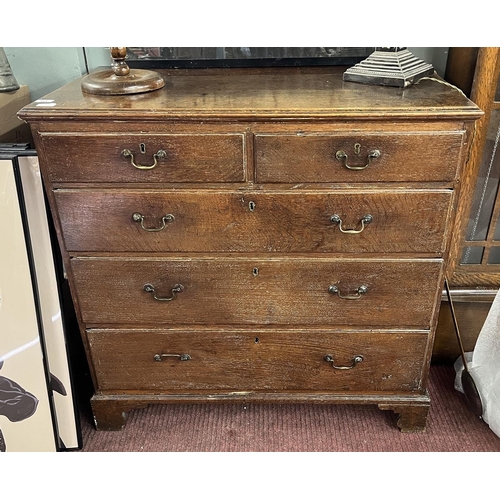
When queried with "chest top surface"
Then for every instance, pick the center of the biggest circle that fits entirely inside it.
(258, 94)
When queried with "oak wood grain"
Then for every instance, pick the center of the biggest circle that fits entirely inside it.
(483, 92)
(405, 155)
(259, 93)
(269, 284)
(188, 157)
(255, 291)
(263, 361)
(273, 221)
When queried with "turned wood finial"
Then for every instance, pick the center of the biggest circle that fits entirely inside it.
(120, 67)
(120, 79)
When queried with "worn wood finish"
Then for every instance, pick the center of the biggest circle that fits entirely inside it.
(120, 79)
(402, 221)
(188, 157)
(111, 410)
(484, 86)
(111, 414)
(411, 418)
(257, 361)
(274, 291)
(471, 315)
(460, 67)
(251, 177)
(405, 155)
(477, 274)
(260, 94)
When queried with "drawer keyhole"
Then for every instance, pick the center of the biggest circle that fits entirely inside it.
(142, 147)
(251, 206)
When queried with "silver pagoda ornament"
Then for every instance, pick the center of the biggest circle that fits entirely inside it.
(391, 66)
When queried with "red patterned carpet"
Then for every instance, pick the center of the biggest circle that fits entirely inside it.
(451, 427)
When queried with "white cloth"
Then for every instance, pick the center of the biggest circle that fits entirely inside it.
(484, 367)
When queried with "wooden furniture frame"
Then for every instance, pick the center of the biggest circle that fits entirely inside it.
(301, 223)
(477, 70)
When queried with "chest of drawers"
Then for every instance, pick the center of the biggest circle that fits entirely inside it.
(256, 235)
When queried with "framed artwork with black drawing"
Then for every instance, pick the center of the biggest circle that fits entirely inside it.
(37, 404)
(26, 418)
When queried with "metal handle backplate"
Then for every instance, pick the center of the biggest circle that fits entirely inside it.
(137, 217)
(148, 287)
(366, 219)
(182, 357)
(160, 154)
(360, 291)
(355, 360)
(372, 155)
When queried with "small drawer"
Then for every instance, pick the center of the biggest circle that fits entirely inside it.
(366, 157)
(144, 157)
(288, 221)
(249, 290)
(162, 361)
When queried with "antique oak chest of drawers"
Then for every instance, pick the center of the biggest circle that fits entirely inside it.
(256, 235)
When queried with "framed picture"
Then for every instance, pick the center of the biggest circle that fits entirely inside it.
(210, 57)
(27, 422)
(34, 363)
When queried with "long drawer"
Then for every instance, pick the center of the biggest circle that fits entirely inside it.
(391, 221)
(152, 360)
(250, 290)
(144, 157)
(385, 157)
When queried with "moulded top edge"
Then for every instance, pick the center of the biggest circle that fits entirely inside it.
(275, 94)
(28, 114)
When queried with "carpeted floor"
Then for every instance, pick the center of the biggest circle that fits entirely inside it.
(451, 427)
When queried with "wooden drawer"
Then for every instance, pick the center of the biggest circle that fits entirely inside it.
(404, 157)
(256, 360)
(204, 221)
(250, 290)
(99, 158)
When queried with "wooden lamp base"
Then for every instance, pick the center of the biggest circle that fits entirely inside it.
(119, 79)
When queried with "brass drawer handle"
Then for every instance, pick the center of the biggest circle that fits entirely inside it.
(355, 360)
(137, 217)
(182, 357)
(148, 287)
(359, 292)
(372, 155)
(157, 156)
(366, 219)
